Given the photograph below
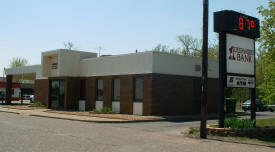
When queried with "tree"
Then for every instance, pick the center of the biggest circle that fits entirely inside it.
(213, 51)
(69, 45)
(18, 62)
(190, 45)
(161, 48)
(165, 48)
(267, 56)
(267, 39)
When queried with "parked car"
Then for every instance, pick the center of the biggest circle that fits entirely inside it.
(28, 97)
(271, 108)
(31, 98)
(260, 105)
(2, 96)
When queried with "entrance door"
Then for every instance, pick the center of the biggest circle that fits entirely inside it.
(57, 94)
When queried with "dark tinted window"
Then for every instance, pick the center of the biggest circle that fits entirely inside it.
(100, 85)
(116, 89)
(139, 89)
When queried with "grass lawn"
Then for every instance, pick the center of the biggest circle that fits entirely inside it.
(270, 122)
(239, 106)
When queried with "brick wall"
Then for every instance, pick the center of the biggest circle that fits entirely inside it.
(72, 92)
(126, 91)
(126, 94)
(162, 94)
(90, 93)
(175, 95)
(8, 89)
(147, 94)
(107, 94)
(41, 91)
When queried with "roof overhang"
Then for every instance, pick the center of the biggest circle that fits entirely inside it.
(24, 73)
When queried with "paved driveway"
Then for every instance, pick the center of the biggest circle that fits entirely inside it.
(27, 133)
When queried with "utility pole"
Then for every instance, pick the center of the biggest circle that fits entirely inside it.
(203, 132)
(222, 50)
(99, 50)
(4, 72)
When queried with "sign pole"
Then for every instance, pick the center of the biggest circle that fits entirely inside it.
(253, 107)
(203, 132)
(222, 71)
(253, 95)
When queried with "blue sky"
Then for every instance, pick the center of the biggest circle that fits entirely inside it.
(29, 27)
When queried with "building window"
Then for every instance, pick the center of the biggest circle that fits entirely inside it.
(100, 84)
(139, 89)
(54, 65)
(82, 89)
(116, 89)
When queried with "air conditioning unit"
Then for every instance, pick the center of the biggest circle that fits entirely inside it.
(197, 67)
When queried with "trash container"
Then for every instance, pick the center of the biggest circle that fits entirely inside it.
(81, 105)
(230, 105)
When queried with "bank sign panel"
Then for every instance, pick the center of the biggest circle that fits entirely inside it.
(240, 82)
(239, 55)
(237, 33)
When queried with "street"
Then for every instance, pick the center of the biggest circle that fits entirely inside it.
(27, 133)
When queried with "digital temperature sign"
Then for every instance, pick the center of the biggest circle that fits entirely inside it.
(236, 23)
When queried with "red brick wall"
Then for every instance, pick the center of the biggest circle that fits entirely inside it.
(173, 95)
(8, 89)
(90, 93)
(147, 94)
(41, 91)
(72, 92)
(107, 94)
(126, 94)
(162, 94)
(126, 91)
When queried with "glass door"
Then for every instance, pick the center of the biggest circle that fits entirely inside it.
(57, 94)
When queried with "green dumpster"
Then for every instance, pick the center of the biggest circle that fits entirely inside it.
(230, 105)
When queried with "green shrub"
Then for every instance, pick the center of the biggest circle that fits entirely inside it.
(193, 130)
(104, 110)
(238, 123)
(37, 104)
(96, 111)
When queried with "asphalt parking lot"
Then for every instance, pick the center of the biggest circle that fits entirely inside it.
(27, 133)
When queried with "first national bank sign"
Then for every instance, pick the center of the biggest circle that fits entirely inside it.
(240, 55)
(239, 33)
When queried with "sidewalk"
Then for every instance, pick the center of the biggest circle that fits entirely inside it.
(44, 113)
(92, 117)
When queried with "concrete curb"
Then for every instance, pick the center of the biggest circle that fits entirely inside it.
(21, 109)
(35, 115)
(10, 112)
(81, 120)
(122, 121)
